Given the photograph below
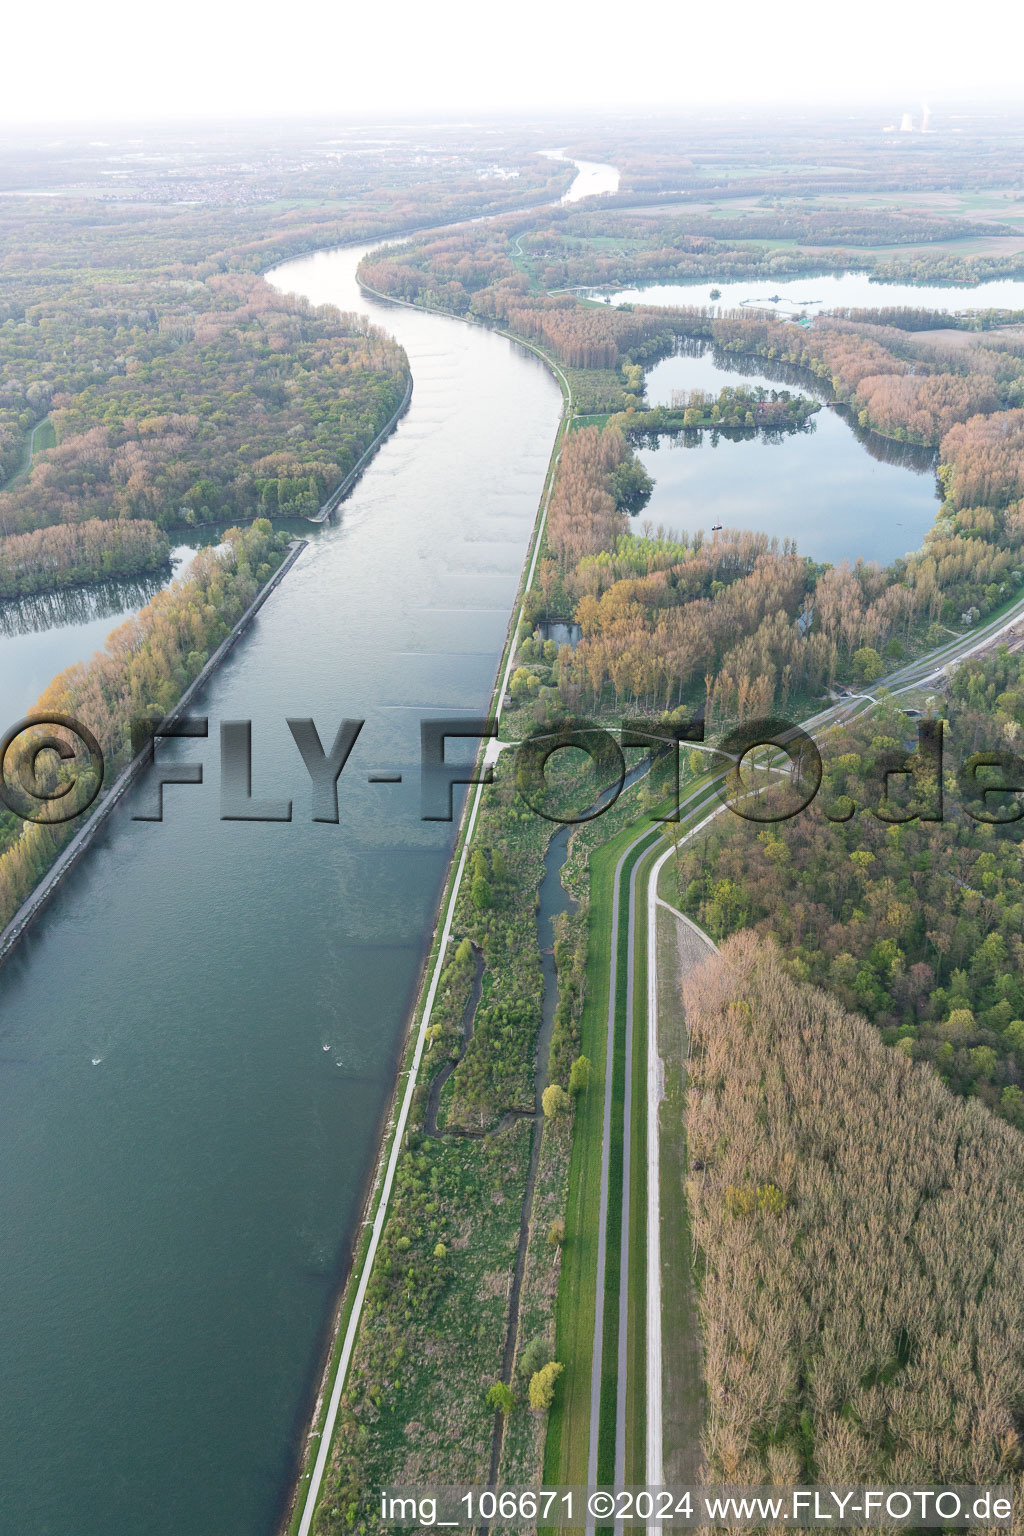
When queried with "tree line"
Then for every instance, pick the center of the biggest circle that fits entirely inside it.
(861, 1236)
(75, 553)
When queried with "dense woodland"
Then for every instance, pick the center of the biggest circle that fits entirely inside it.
(183, 398)
(182, 388)
(860, 1236)
(917, 925)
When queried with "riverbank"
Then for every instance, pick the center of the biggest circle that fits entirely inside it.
(399, 609)
(69, 856)
(375, 1206)
(342, 489)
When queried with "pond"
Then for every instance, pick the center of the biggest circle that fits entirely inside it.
(841, 493)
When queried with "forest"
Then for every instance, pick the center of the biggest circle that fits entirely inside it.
(74, 553)
(859, 1237)
(180, 386)
(140, 674)
(917, 925)
(189, 402)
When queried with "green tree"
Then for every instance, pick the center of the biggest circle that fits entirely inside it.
(481, 893)
(631, 485)
(1011, 1102)
(478, 866)
(554, 1100)
(464, 953)
(499, 1397)
(579, 1075)
(867, 664)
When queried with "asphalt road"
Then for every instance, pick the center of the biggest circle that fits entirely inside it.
(700, 807)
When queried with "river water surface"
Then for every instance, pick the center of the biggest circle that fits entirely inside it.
(199, 1037)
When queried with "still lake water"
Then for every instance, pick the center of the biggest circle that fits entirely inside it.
(845, 290)
(839, 492)
(176, 1217)
(41, 635)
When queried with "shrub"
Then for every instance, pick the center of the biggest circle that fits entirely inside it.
(579, 1075)
(542, 1386)
(554, 1100)
(534, 1357)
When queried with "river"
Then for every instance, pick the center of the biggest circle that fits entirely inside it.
(591, 179)
(200, 1035)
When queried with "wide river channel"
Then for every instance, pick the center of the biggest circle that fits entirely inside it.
(199, 1037)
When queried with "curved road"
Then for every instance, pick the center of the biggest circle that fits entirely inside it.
(699, 800)
(697, 809)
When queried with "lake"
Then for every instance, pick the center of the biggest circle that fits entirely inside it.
(843, 290)
(838, 491)
(199, 1036)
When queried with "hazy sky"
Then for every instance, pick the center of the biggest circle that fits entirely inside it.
(115, 59)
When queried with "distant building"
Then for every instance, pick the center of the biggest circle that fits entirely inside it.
(906, 123)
